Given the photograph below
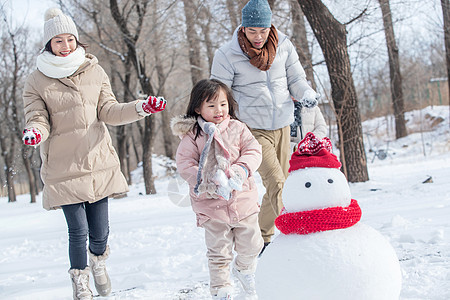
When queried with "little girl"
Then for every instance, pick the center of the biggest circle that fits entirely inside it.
(217, 156)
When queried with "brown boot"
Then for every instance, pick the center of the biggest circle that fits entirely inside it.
(98, 268)
(80, 284)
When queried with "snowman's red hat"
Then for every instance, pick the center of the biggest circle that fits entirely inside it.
(313, 153)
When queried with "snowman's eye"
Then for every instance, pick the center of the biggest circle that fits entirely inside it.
(330, 180)
(308, 184)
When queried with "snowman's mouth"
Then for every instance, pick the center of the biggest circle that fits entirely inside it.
(305, 222)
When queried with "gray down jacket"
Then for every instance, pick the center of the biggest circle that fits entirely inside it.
(264, 97)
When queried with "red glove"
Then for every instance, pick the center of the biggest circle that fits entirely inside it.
(31, 137)
(154, 104)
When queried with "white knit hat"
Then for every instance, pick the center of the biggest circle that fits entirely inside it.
(57, 23)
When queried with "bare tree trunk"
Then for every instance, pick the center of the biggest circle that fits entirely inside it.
(193, 41)
(128, 145)
(332, 37)
(147, 137)
(206, 17)
(166, 131)
(121, 132)
(300, 41)
(147, 143)
(167, 134)
(234, 15)
(394, 70)
(133, 146)
(130, 41)
(9, 170)
(446, 13)
(27, 154)
(36, 171)
(165, 116)
(8, 150)
(9, 115)
(147, 156)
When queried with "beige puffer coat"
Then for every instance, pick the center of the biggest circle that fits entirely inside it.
(79, 162)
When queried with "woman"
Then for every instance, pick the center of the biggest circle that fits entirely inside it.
(67, 102)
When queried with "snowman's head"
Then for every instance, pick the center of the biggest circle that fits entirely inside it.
(315, 180)
(315, 188)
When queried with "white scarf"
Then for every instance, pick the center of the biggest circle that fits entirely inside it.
(59, 67)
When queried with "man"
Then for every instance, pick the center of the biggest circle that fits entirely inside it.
(261, 66)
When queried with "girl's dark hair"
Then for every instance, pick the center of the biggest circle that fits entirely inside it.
(206, 90)
(48, 46)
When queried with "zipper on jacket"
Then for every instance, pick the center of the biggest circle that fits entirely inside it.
(271, 98)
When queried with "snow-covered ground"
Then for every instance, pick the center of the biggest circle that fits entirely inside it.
(157, 252)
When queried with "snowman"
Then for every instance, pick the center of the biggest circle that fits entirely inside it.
(323, 252)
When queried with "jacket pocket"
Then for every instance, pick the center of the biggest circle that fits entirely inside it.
(201, 219)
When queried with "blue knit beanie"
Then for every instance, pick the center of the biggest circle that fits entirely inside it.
(257, 13)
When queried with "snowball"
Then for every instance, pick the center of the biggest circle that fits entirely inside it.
(220, 178)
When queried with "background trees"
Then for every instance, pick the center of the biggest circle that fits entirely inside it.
(332, 37)
(15, 64)
(394, 70)
(162, 47)
(446, 17)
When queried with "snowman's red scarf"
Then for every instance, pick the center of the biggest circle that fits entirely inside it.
(310, 221)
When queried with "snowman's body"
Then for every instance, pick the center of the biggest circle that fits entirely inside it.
(354, 263)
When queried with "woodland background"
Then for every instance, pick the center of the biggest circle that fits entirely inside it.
(367, 58)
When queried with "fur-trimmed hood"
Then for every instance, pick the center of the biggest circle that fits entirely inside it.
(181, 125)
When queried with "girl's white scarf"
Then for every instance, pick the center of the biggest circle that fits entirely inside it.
(59, 67)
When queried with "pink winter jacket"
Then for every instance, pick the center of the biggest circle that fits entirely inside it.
(244, 150)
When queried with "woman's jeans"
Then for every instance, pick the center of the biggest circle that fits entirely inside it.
(84, 218)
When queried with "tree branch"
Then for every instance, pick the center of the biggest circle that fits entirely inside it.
(357, 17)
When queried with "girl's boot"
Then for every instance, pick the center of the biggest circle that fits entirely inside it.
(98, 268)
(80, 284)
